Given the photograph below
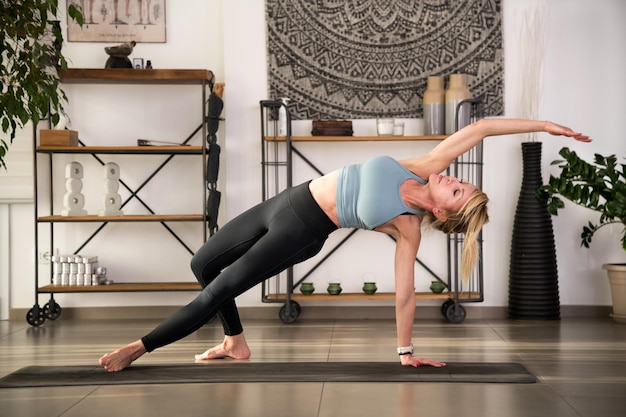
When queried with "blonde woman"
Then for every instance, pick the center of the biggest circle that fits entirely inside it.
(382, 194)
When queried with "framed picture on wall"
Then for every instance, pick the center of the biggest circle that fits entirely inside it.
(118, 21)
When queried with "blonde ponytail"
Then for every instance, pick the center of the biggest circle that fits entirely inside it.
(469, 220)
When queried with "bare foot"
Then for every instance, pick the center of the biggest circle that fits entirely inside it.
(234, 347)
(122, 357)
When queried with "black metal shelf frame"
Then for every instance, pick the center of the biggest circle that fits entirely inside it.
(37, 315)
(278, 154)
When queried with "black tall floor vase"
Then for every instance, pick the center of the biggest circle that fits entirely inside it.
(533, 276)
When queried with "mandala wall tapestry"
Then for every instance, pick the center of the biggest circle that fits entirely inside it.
(358, 59)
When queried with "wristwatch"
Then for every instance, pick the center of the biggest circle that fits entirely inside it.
(406, 350)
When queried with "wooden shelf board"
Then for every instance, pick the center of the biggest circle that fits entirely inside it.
(372, 297)
(353, 138)
(143, 150)
(123, 287)
(124, 218)
(135, 76)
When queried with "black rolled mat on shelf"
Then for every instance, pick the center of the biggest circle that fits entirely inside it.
(250, 372)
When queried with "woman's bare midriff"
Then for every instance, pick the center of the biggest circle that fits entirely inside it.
(324, 191)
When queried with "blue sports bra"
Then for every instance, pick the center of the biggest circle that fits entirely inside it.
(368, 195)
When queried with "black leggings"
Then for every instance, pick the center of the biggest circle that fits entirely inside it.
(256, 245)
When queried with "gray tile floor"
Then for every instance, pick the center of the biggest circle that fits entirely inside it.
(581, 366)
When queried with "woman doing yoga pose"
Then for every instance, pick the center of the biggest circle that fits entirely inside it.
(382, 194)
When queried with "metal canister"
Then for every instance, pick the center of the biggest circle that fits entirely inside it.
(56, 264)
(90, 259)
(73, 267)
(65, 266)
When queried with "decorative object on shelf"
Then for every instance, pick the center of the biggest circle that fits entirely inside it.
(101, 273)
(150, 142)
(74, 270)
(600, 187)
(457, 91)
(282, 117)
(307, 288)
(138, 63)
(384, 126)
(334, 288)
(118, 55)
(398, 128)
(57, 137)
(437, 286)
(73, 200)
(434, 106)
(111, 200)
(369, 288)
(332, 128)
(60, 270)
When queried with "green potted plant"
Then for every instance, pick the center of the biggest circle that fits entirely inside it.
(30, 54)
(599, 186)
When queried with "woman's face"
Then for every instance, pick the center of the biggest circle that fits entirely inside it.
(448, 193)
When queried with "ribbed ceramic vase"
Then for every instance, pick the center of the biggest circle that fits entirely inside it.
(434, 103)
(533, 276)
(457, 91)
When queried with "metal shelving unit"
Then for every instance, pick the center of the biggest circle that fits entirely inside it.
(277, 154)
(203, 78)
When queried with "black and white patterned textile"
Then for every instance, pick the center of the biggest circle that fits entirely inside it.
(357, 59)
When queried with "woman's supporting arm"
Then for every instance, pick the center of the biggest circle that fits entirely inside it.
(407, 234)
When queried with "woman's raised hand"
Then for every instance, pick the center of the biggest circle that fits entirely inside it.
(558, 130)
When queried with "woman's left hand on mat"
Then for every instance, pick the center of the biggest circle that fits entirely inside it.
(409, 360)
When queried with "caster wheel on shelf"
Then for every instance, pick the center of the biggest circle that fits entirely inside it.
(294, 311)
(51, 310)
(35, 316)
(297, 306)
(456, 313)
(444, 307)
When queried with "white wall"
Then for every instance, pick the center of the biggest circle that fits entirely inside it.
(583, 88)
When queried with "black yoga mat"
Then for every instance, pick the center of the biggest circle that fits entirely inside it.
(234, 372)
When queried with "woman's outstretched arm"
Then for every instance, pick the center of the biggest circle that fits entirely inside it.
(465, 139)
